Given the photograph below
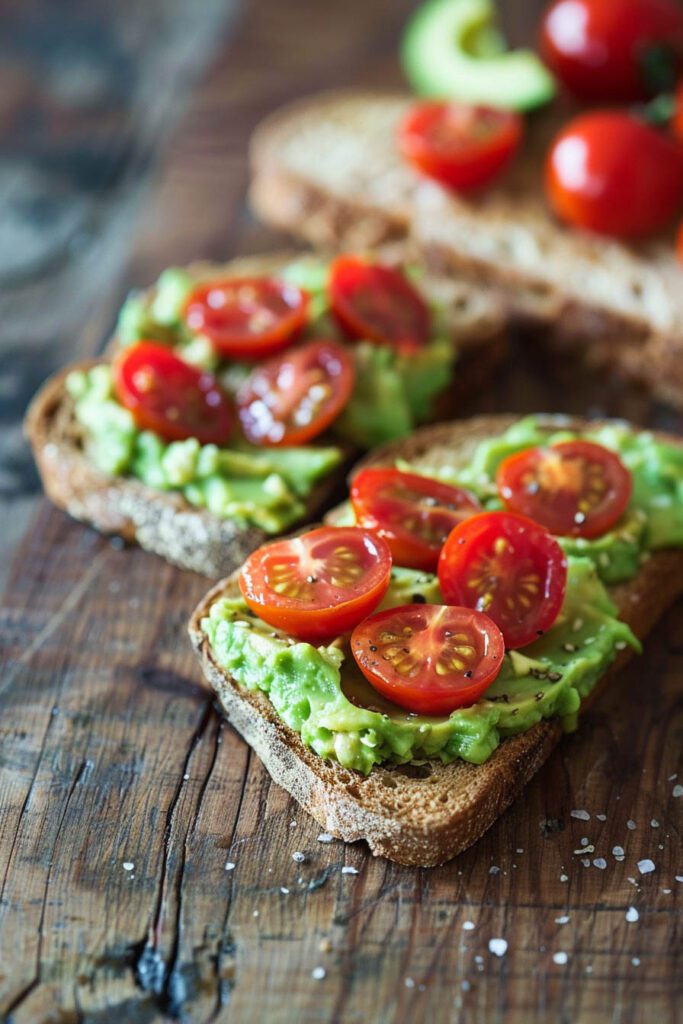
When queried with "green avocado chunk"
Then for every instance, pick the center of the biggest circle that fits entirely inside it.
(260, 487)
(451, 49)
(320, 692)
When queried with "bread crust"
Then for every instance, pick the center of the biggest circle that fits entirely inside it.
(632, 321)
(422, 816)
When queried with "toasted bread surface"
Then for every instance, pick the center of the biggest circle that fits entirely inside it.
(427, 814)
(614, 304)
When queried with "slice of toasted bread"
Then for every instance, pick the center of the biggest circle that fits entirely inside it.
(327, 170)
(421, 815)
(163, 521)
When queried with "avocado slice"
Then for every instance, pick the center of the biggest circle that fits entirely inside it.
(452, 49)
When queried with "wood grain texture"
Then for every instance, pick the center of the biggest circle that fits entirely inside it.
(111, 754)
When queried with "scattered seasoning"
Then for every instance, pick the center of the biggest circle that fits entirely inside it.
(667, 892)
(520, 849)
(601, 817)
(672, 777)
(284, 890)
(677, 791)
(255, 914)
(409, 983)
(585, 849)
(128, 865)
(618, 852)
(325, 946)
(494, 869)
(569, 648)
(325, 837)
(230, 866)
(646, 866)
(465, 985)
(560, 958)
(577, 625)
(468, 926)
(600, 863)
(349, 870)
(562, 920)
(589, 968)
(636, 961)
(186, 777)
(299, 857)
(318, 973)
(632, 915)
(679, 878)
(292, 824)
(620, 645)
(630, 824)
(581, 815)
(564, 878)
(586, 862)
(654, 823)
(498, 947)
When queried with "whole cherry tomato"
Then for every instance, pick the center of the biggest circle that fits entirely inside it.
(610, 172)
(613, 49)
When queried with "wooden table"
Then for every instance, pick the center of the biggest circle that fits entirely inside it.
(146, 861)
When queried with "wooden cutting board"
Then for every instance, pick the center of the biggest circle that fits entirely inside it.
(151, 871)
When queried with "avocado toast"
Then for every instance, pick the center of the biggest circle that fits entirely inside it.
(426, 808)
(205, 507)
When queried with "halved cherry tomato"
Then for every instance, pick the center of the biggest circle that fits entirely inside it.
(377, 303)
(295, 396)
(414, 514)
(170, 397)
(248, 317)
(574, 489)
(320, 584)
(605, 49)
(508, 567)
(459, 145)
(612, 173)
(429, 658)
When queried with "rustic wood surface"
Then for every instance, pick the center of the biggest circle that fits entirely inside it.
(146, 867)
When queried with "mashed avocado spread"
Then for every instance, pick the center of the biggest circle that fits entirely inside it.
(393, 390)
(253, 486)
(320, 692)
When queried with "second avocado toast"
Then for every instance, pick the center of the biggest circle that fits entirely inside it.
(420, 790)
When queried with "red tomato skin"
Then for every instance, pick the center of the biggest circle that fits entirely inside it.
(355, 283)
(258, 412)
(595, 46)
(236, 340)
(385, 514)
(423, 143)
(612, 174)
(461, 549)
(334, 610)
(428, 695)
(560, 519)
(150, 359)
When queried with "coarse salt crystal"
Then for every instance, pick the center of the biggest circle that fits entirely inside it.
(409, 983)
(494, 869)
(325, 837)
(468, 926)
(299, 857)
(632, 915)
(128, 865)
(349, 870)
(677, 790)
(564, 878)
(284, 890)
(601, 817)
(230, 866)
(630, 824)
(679, 878)
(562, 920)
(600, 863)
(618, 852)
(581, 815)
(646, 866)
(636, 961)
(560, 958)
(654, 823)
(318, 973)
(498, 947)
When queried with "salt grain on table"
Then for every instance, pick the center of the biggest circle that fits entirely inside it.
(498, 947)
(581, 815)
(560, 958)
(632, 915)
(646, 866)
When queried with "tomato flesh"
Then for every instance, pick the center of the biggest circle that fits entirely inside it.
(414, 514)
(460, 146)
(509, 567)
(599, 48)
(574, 489)
(317, 585)
(377, 303)
(679, 244)
(428, 658)
(295, 396)
(611, 173)
(170, 397)
(247, 317)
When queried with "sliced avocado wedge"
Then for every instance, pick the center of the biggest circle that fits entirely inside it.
(451, 49)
